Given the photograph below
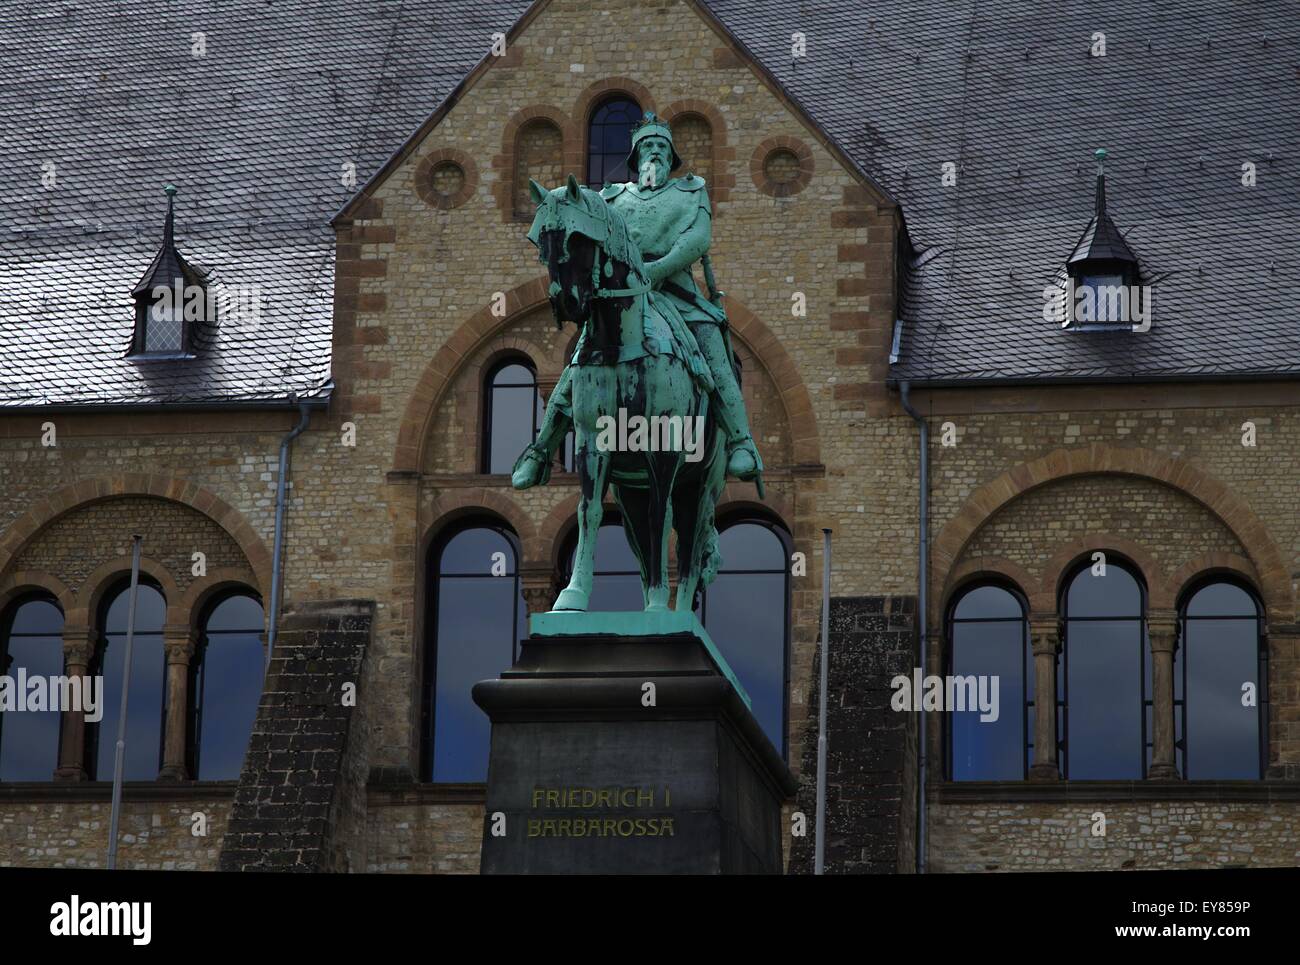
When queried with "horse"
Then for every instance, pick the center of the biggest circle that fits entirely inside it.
(636, 355)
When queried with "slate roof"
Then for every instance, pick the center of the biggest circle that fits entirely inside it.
(253, 134)
(1006, 90)
(256, 131)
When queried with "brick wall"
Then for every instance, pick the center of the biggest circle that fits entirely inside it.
(300, 800)
(873, 639)
(75, 544)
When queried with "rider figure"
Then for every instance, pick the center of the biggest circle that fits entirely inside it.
(670, 219)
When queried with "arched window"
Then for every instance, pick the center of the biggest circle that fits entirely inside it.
(1219, 735)
(616, 581)
(539, 155)
(746, 611)
(512, 411)
(609, 139)
(1106, 678)
(988, 637)
(693, 138)
(225, 686)
(147, 697)
(474, 620)
(31, 641)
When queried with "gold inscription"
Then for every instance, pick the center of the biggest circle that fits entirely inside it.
(604, 826)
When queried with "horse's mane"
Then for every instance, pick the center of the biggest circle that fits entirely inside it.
(620, 244)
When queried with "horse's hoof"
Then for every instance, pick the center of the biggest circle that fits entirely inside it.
(570, 599)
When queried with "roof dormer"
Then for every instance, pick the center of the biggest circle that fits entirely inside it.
(1104, 281)
(170, 299)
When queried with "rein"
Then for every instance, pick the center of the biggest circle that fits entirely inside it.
(599, 293)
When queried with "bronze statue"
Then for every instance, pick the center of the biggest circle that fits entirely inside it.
(653, 378)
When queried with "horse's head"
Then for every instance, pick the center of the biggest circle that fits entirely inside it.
(583, 244)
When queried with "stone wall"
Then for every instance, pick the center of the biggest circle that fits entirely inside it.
(55, 828)
(873, 639)
(1141, 836)
(408, 835)
(1040, 477)
(75, 544)
(300, 801)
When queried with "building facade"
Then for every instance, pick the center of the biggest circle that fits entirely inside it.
(1109, 510)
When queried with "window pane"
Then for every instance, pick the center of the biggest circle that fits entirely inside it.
(1218, 657)
(145, 710)
(236, 613)
(988, 603)
(751, 546)
(37, 616)
(163, 328)
(513, 375)
(746, 618)
(995, 645)
(230, 686)
(1102, 291)
(746, 615)
(609, 139)
(472, 552)
(1116, 594)
(1103, 661)
(476, 621)
(29, 741)
(1222, 600)
(513, 413)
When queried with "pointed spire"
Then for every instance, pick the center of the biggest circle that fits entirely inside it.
(1100, 207)
(167, 264)
(170, 191)
(1101, 240)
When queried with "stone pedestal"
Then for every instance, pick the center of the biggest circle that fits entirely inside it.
(592, 771)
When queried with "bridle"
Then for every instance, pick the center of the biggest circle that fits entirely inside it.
(616, 246)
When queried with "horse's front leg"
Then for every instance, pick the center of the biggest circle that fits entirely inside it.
(593, 465)
(663, 467)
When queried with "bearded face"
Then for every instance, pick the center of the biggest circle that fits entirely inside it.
(653, 160)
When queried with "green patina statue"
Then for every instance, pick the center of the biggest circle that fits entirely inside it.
(652, 390)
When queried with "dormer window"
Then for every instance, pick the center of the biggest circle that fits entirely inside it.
(168, 299)
(164, 323)
(1101, 299)
(1104, 291)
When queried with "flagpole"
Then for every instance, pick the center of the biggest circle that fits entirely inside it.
(120, 756)
(820, 860)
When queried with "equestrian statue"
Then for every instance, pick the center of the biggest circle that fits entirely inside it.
(652, 391)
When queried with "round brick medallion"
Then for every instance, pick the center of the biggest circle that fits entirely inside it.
(446, 179)
(781, 166)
